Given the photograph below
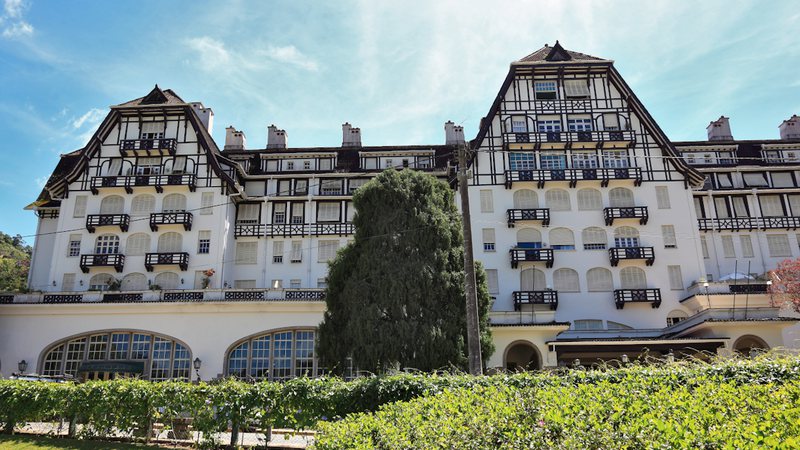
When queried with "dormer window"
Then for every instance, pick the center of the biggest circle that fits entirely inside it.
(545, 90)
(576, 89)
(306, 165)
(152, 130)
(289, 165)
(519, 125)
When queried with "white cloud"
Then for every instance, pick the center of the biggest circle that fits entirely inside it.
(92, 117)
(41, 181)
(291, 55)
(18, 29)
(13, 8)
(12, 13)
(213, 54)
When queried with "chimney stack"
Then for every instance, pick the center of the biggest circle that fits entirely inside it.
(790, 129)
(351, 137)
(719, 130)
(234, 139)
(453, 134)
(206, 115)
(275, 138)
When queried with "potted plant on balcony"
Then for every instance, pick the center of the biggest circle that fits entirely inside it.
(207, 274)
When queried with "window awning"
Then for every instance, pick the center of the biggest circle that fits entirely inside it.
(112, 366)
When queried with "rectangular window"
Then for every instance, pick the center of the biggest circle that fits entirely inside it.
(491, 281)
(704, 246)
(297, 213)
(297, 251)
(294, 283)
(330, 187)
(487, 201)
(387, 163)
(153, 130)
(553, 161)
(549, 126)
(740, 207)
(519, 124)
(354, 184)
(325, 164)
(771, 205)
(327, 250)
(246, 252)
(755, 179)
(724, 181)
(148, 166)
(206, 203)
(322, 283)
(615, 159)
(794, 205)
(580, 124)
(662, 197)
(675, 278)
(611, 122)
(277, 252)
(284, 187)
(289, 165)
(279, 213)
(782, 179)
(179, 165)
(244, 284)
(98, 345)
(247, 213)
(276, 284)
(584, 160)
(306, 165)
(545, 90)
(721, 205)
(204, 242)
(488, 239)
(698, 207)
(778, 245)
(68, 282)
(328, 211)
(74, 246)
(300, 187)
(80, 206)
(747, 245)
(120, 342)
(668, 233)
(727, 247)
(521, 161)
(576, 89)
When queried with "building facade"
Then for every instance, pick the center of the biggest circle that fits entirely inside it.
(155, 247)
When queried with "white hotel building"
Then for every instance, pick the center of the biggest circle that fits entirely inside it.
(600, 236)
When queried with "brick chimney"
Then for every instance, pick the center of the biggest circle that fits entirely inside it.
(234, 139)
(351, 137)
(206, 115)
(275, 138)
(720, 130)
(790, 129)
(453, 134)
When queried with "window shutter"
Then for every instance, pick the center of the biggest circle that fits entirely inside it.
(114, 166)
(757, 179)
(491, 281)
(722, 207)
(668, 233)
(174, 203)
(532, 280)
(611, 121)
(244, 284)
(297, 251)
(727, 247)
(599, 280)
(747, 245)
(526, 199)
(277, 251)
(143, 205)
(633, 278)
(782, 179)
(80, 206)
(167, 280)
(297, 212)
(662, 197)
(327, 250)
(620, 198)
(153, 127)
(594, 237)
(246, 252)
(576, 88)
(68, 282)
(771, 205)
(589, 200)
(179, 165)
(561, 237)
(739, 207)
(134, 282)
(170, 243)
(138, 244)
(675, 278)
(557, 200)
(206, 202)
(248, 213)
(113, 204)
(566, 280)
(724, 181)
(328, 211)
(778, 245)
(487, 202)
(704, 246)
(488, 236)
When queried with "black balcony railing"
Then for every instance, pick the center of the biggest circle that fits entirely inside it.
(115, 260)
(569, 137)
(622, 296)
(180, 259)
(749, 223)
(632, 212)
(549, 297)
(248, 230)
(519, 215)
(62, 298)
(130, 181)
(616, 254)
(183, 296)
(244, 295)
(602, 174)
(93, 221)
(335, 228)
(148, 147)
(303, 294)
(286, 229)
(518, 255)
(171, 218)
(119, 297)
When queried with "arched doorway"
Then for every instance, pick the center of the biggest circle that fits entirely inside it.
(522, 355)
(748, 345)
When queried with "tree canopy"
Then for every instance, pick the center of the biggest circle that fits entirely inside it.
(15, 260)
(395, 295)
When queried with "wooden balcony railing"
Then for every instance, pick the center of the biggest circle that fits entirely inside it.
(93, 221)
(115, 260)
(749, 223)
(616, 254)
(548, 297)
(602, 174)
(331, 229)
(248, 230)
(148, 147)
(518, 255)
(171, 218)
(128, 182)
(623, 296)
(286, 229)
(180, 259)
(632, 212)
(519, 215)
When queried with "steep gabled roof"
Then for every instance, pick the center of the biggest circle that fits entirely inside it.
(556, 55)
(156, 97)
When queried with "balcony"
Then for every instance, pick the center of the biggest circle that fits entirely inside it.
(749, 223)
(519, 215)
(130, 181)
(248, 230)
(172, 218)
(623, 296)
(148, 147)
(127, 297)
(286, 229)
(616, 254)
(332, 229)
(518, 255)
(567, 139)
(180, 259)
(549, 297)
(602, 174)
(631, 212)
(115, 260)
(93, 221)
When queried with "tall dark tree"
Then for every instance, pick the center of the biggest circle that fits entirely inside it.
(15, 259)
(395, 295)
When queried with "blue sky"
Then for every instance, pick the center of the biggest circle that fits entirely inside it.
(398, 70)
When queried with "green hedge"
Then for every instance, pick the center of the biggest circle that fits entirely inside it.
(128, 405)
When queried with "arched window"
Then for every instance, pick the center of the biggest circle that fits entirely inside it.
(154, 356)
(522, 355)
(562, 239)
(137, 245)
(526, 199)
(626, 237)
(675, 316)
(599, 279)
(134, 282)
(750, 345)
(557, 200)
(532, 280)
(276, 356)
(529, 238)
(566, 280)
(617, 326)
(171, 242)
(143, 205)
(589, 200)
(594, 238)
(620, 197)
(633, 278)
(113, 204)
(587, 324)
(174, 203)
(167, 280)
(106, 244)
(100, 282)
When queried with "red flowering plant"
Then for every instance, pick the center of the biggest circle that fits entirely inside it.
(207, 274)
(785, 286)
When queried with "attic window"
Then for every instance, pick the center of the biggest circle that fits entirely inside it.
(152, 130)
(576, 89)
(545, 90)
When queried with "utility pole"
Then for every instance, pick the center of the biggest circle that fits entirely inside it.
(473, 327)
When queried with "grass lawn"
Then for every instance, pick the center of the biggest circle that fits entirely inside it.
(21, 442)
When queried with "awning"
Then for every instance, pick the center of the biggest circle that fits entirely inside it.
(112, 366)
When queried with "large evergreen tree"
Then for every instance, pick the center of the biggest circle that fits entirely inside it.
(15, 259)
(395, 295)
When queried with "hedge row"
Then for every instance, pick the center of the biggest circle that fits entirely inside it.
(130, 405)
